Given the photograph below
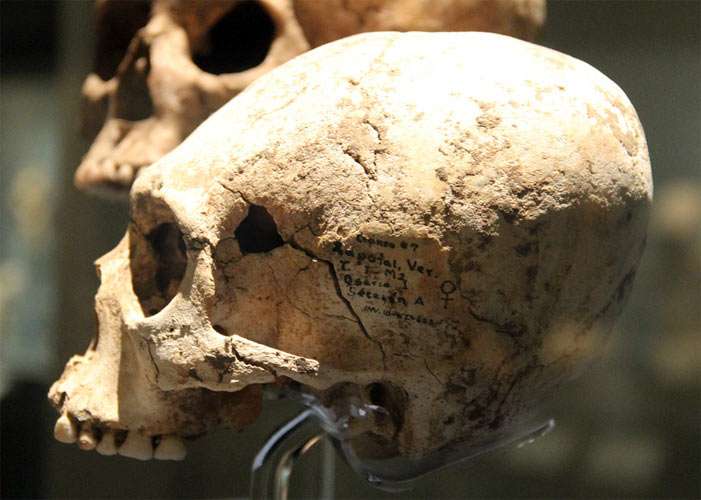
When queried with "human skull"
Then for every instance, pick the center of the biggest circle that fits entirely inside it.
(443, 225)
(161, 69)
(182, 60)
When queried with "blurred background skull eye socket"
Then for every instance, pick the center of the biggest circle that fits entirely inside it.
(117, 22)
(240, 40)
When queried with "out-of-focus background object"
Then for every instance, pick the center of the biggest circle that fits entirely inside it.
(341, 18)
(628, 428)
(163, 66)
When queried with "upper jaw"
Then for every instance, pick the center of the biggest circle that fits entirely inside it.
(109, 398)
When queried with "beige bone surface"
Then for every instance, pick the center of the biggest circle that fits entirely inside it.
(442, 224)
(157, 94)
(519, 18)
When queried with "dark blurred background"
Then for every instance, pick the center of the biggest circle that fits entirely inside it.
(630, 427)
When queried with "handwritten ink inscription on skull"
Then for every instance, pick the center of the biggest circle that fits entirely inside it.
(394, 278)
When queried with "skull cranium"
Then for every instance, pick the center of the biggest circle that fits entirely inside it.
(444, 225)
(183, 59)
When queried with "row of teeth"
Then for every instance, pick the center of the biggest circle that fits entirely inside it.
(136, 445)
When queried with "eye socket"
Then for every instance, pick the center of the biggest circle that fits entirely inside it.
(258, 233)
(240, 40)
(158, 264)
(171, 257)
(117, 21)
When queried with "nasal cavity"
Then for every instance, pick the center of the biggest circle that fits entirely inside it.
(117, 22)
(240, 40)
(133, 97)
(171, 257)
(258, 232)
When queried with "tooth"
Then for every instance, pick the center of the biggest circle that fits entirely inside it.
(86, 439)
(136, 446)
(66, 430)
(170, 448)
(106, 445)
(109, 164)
(125, 171)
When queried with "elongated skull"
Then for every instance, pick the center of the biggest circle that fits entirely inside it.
(162, 67)
(444, 225)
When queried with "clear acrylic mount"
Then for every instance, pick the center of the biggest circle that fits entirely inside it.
(274, 463)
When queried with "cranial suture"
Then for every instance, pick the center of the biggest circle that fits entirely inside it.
(445, 225)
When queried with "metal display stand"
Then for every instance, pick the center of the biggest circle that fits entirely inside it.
(273, 465)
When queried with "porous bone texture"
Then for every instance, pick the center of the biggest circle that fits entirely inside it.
(443, 224)
(163, 67)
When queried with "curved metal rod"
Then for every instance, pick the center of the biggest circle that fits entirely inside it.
(283, 471)
(273, 464)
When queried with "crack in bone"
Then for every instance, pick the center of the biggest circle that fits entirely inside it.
(277, 363)
(282, 106)
(493, 203)
(295, 306)
(355, 82)
(378, 149)
(370, 172)
(153, 360)
(308, 227)
(334, 278)
(428, 369)
(344, 299)
(251, 362)
(337, 285)
(239, 359)
(378, 137)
